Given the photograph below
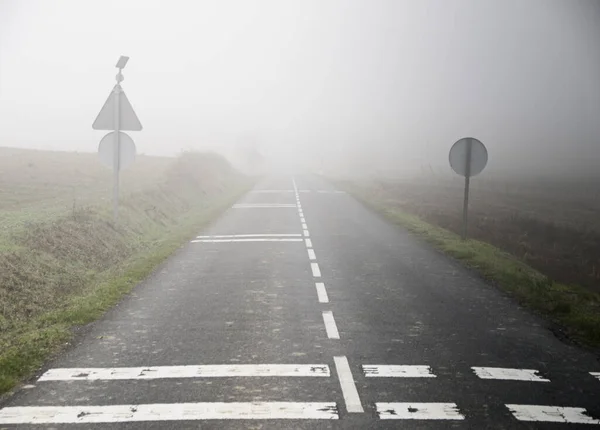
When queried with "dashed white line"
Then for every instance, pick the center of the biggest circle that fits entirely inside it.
(315, 270)
(397, 371)
(554, 414)
(304, 226)
(418, 411)
(306, 233)
(509, 374)
(308, 243)
(223, 236)
(262, 206)
(322, 293)
(311, 254)
(202, 371)
(244, 240)
(349, 391)
(167, 412)
(330, 327)
(302, 219)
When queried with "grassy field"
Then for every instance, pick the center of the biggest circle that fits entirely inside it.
(63, 261)
(538, 239)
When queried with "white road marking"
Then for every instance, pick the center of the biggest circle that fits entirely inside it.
(202, 371)
(243, 240)
(311, 254)
(418, 411)
(396, 371)
(222, 236)
(167, 412)
(308, 243)
(330, 327)
(304, 191)
(295, 187)
(347, 383)
(262, 206)
(322, 293)
(272, 191)
(508, 374)
(306, 233)
(596, 375)
(302, 219)
(304, 226)
(554, 414)
(315, 270)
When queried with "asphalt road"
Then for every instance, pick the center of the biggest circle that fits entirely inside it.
(299, 308)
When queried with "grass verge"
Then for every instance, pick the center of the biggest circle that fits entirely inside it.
(574, 309)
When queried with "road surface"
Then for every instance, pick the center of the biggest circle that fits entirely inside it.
(301, 309)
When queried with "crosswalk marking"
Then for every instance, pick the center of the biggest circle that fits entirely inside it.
(418, 411)
(167, 412)
(509, 374)
(555, 414)
(397, 371)
(203, 371)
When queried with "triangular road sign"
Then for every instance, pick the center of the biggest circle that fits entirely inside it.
(106, 118)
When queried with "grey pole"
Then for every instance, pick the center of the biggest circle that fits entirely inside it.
(117, 147)
(467, 183)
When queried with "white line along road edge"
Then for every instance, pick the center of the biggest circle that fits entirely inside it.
(348, 386)
(553, 414)
(330, 327)
(509, 374)
(167, 412)
(396, 371)
(418, 411)
(203, 371)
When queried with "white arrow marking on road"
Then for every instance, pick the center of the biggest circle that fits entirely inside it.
(168, 412)
(397, 371)
(509, 374)
(418, 411)
(202, 371)
(554, 414)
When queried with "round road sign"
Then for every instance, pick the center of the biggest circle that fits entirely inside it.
(106, 150)
(459, 157)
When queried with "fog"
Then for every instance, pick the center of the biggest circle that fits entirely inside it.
(377, 86)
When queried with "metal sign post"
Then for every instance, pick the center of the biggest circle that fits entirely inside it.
(468, 157)
(117, 149)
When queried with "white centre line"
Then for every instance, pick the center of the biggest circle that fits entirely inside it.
(308, 243)
(347, 383)
(167, 412)
(311, 254)
(418, 411)
(223, 236)
(330, 327)
(306, 233)
(243, 240)
(397, 371)
(509, 374)
(315, 270)
(302, 219)
(553, 414)
(202, 371)
(304, 226)
(322, 293)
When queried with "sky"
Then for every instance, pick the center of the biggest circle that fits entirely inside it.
(379, 85)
